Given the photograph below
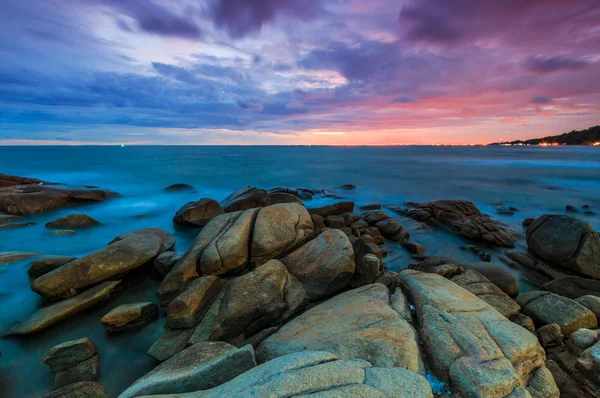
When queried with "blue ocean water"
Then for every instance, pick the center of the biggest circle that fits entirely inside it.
(534, 179)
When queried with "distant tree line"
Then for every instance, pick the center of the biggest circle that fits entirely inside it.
(589, 136)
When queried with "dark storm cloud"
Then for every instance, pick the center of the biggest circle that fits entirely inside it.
(242, 17)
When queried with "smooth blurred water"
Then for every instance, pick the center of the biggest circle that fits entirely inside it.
(534, 179)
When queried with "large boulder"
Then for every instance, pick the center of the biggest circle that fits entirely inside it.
(358, 324)
(55, 313)
(573, 287)
(45, 264)
(187, 309)
(73, 221)
(321, 375)
(546, 308)
(197, 214)
(199, 367)
(471, 346)
(254, 301)
(463, 218)
(324, 265)
(26, 196)
(246, 198)
(566, 242)
(230, 243)
(125, 253)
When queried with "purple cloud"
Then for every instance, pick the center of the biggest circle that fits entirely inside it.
(556, 63)
(541, 99)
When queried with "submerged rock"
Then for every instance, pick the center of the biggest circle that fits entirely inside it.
(324, 265)
(199, 367)
(129, 316)
(358, 324)
(464, 219)
(12, 257)
(566, 242)
(26, 196)
(55, 313)
(197, 214)
(125, 253)
(246, 198)
(45, 264)
(471, 346)
(180, 188)
(73, 221)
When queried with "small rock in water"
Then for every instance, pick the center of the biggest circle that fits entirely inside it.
(63, 232)
(485, 256)
(73, 361)
(505, 211)
(571, 209)
(180, 188)
(73, 221)
(11, 257)
(589, 213)
(415, 248)
(527, 222)
(374, 206)
(348, 187)
(16, 226)
(129, 316)
(585, 206)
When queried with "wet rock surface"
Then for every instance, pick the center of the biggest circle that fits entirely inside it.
(129, 316)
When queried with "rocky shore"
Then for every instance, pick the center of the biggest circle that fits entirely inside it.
(275, 298)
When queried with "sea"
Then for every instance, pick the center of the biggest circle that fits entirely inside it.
(535, 180)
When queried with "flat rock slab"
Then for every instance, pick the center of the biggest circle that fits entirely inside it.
(463, 218)
(129, 316)
(45, 264)
(26, 196)
(123, 254)
(322, 375)
(199, 367)
(55, 313)
(13, 257)
(358, 324)
(546, 308)
(471, 346)
(84, 389)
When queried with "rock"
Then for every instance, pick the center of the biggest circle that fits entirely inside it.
(504, 211)
(373, 206)
(320, 375)
(246, 198)
(73, 221)
(415, 248)
(368, 262)
(123, 254)
(573, 287)
(45, 264)
(187, 309)
(170, 343)
(566, 242)
(443, 266)
(350, 218)
(358, 324)
(523, 321)
(581, 340)
(180, 188)
(480, 286)
(528, 221)
(199, 367)
(546, 308)
(8, 218)
(197, 214)
(389, 279)
(69, 354)
(470, 346)
(333, 210)
(129, 316)
(258, 299)
(257, 338)
(498, 275)
(374, 216)
(335, 222)
(8, 227)
(83, 389)
(165, 262)
(324, 265)
(592, 303)
(63, 232)
(550, 335)
(207, 324)
(392, 230)
(318, 222)
(284, 197)
(55, 313)
(26, 196)
(348, 187)
(278, 230)
(12, 257)
(571, 209)
(73, 361)
(464, 219)
(568, 387)
(587, 368)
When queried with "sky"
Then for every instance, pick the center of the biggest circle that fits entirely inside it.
(287, 72)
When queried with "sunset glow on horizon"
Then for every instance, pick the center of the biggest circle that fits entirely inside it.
(296, 72)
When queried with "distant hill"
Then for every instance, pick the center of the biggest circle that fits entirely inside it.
(589, 136)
